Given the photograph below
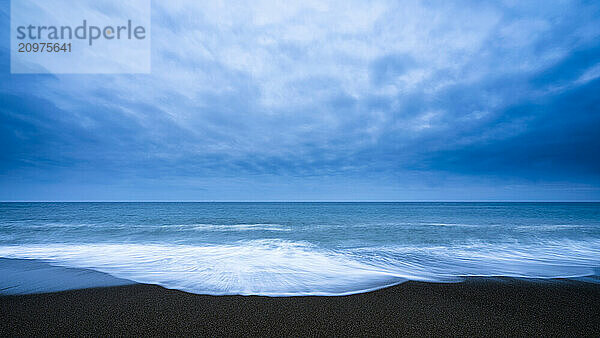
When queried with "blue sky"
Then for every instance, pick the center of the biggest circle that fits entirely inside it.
(321, 100)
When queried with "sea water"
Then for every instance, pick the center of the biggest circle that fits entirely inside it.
(290, 249)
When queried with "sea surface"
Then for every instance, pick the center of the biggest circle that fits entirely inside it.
(292, 249)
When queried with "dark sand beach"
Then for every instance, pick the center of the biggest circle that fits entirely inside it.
(476, 307)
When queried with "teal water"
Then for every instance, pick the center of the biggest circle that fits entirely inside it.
(283, 249)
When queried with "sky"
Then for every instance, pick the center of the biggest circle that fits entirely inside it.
(320, 100)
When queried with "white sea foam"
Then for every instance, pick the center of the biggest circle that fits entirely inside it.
(266, 267)
(236, 227)
(291, 268)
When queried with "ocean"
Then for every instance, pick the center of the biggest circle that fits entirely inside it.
(292, 249)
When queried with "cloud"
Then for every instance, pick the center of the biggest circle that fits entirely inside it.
(386, 94)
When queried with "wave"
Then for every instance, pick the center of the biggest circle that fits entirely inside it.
(231, 227)
(277, 267)
(202, 227)
(550, 227)
(264, 267)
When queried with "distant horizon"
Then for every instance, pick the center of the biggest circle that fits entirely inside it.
(309, 201)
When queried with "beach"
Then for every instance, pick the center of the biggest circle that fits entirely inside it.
(299, 269)
(475, 307)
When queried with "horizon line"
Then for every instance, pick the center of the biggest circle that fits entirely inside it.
(299, 201)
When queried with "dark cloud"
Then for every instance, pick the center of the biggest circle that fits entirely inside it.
(509, 100)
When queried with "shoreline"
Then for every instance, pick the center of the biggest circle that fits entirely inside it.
(477, 306)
